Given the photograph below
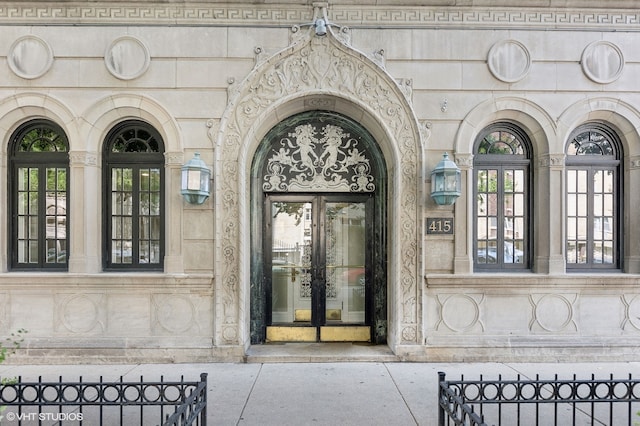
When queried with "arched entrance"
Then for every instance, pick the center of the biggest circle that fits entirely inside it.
(318, 232)
(317, 73)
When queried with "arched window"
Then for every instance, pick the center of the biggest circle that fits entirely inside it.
(134, 213)
(502, 199)
(39, 178)
(593, 204)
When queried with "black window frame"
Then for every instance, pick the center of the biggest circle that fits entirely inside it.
(152, 156)
(41, 161)
(487, 160)
(593, 163)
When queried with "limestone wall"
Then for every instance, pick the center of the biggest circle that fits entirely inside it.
(186, 69)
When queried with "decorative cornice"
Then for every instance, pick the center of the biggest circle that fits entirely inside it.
(283, 15)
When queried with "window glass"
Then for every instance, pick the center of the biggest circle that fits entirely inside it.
(135, 226)
(39, 199)
(592, 193)
(501, 174)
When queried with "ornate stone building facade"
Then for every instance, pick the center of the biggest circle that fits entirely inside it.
(321, 123)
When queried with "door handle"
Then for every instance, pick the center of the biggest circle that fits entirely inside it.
(293, 274)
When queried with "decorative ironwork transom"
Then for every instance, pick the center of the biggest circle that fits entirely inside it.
(318, 155)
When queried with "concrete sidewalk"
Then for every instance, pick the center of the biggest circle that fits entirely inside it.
(319, 393)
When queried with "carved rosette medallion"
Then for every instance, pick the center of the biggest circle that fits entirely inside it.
(328, 68)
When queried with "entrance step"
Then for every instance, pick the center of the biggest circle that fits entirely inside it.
(319, 352)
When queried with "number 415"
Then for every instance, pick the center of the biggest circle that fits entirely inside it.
(440, 226)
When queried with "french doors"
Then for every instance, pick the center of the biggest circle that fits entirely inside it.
(317, 267)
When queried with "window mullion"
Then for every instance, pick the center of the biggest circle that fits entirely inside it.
(42, 216)
(500, 200)
(135, 214)
(592, 213)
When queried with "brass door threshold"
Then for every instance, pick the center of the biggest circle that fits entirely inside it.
(292, 334)
(361, 333)
(310, 334)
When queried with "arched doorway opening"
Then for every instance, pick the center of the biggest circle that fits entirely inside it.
(318, 232)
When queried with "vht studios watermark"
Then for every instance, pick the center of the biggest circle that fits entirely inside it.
(42, 417)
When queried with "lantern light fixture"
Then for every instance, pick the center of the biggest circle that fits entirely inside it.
(445, 182)
(321, 27)
(196, 181)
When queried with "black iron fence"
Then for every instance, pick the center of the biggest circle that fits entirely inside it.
(573, 401)
(104, 403)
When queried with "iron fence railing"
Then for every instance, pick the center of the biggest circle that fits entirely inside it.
(573, 401)
(104, 403)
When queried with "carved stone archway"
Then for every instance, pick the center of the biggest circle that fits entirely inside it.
(318, 72)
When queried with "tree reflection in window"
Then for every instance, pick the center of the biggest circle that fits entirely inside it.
(39, 202)
(501, 142)
(134, 171)
(501, 175)
(592, 199)
(591, 143)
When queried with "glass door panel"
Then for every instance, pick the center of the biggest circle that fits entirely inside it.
(318, 259)
(345, 262)
(291, 261)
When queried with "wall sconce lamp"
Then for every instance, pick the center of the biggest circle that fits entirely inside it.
(196, 181)
(445, 182)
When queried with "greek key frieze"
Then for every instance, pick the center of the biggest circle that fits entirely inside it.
(156, 13)
(433, 16)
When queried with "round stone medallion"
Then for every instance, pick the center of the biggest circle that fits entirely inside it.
(80, 313)
(460, 312)
(30, 57)
(127, 58)
(553, 312)
(633, 312)
(602, 62)
(176, 313)
(509, 61)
